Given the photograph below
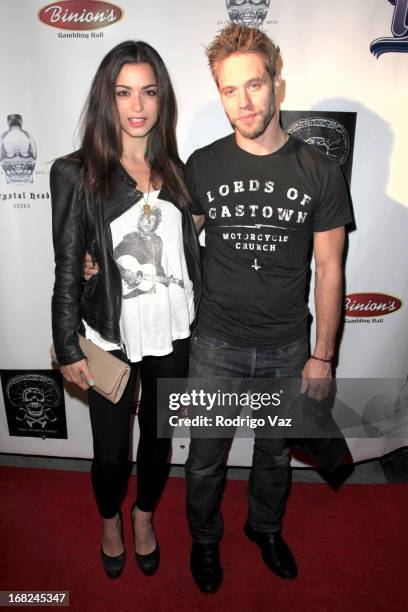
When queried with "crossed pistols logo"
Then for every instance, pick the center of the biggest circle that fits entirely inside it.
(398, 43)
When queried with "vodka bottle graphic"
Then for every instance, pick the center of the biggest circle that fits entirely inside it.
(17, 152)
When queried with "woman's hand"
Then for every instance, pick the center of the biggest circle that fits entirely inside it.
(78, 373)
(90, 268)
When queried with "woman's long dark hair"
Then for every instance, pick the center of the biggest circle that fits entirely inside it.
(101, 147)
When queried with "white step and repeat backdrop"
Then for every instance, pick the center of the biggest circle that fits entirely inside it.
(338, 57)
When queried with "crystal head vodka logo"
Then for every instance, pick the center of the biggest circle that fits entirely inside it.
(398, 43)
(17, 152)
(248, 12)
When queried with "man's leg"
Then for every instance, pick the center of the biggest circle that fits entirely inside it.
(269, 484)
(270, 478)
(210, 359)
(205, 475)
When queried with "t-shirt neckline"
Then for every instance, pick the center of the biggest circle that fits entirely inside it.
(151, 194)
(276, 153)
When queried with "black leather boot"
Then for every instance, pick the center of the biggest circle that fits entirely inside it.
(275, 552)
(206, 567)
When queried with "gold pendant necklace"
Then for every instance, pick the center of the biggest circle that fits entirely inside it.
(146, 206)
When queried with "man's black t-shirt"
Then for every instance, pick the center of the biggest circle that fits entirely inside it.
(260, 215)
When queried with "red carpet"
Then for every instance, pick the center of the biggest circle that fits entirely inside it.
(351, 548)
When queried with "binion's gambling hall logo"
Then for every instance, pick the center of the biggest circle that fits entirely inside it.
(80, 14)
(370, 307)
(248, 12)
(398, 43)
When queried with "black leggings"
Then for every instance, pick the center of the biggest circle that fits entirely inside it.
(111, 435)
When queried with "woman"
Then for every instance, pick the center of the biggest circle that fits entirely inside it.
(122, 198)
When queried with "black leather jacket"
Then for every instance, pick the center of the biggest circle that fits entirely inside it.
(81, 225)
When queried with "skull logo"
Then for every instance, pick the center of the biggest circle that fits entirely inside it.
(34, 400)
(34, 396)
(248, 12)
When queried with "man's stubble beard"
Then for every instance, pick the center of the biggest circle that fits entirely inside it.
(256, 131)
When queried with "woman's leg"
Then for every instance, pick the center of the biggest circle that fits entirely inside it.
(110, 469)
(153, 452)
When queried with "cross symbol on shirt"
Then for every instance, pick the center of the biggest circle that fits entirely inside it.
(255, 265)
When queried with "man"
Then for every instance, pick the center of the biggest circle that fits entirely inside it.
(266, 199)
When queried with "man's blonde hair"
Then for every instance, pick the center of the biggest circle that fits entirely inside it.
(235, 38)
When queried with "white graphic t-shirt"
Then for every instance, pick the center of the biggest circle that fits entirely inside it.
(157, 294)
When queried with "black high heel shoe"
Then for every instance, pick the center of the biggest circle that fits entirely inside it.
(149, 564)
(113, 566)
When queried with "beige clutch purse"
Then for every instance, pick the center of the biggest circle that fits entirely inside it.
(110, 374)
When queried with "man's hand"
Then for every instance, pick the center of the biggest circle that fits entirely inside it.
(78, 373)
(317, 378)
(90, 269)
(130, 278)
(199, 221)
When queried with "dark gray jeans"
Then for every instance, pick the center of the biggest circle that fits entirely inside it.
(270, 477)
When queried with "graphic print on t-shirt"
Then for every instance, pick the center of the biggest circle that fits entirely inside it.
(255, 233)
(139, 257)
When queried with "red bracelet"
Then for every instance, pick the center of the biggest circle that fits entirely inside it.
(320, 359)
